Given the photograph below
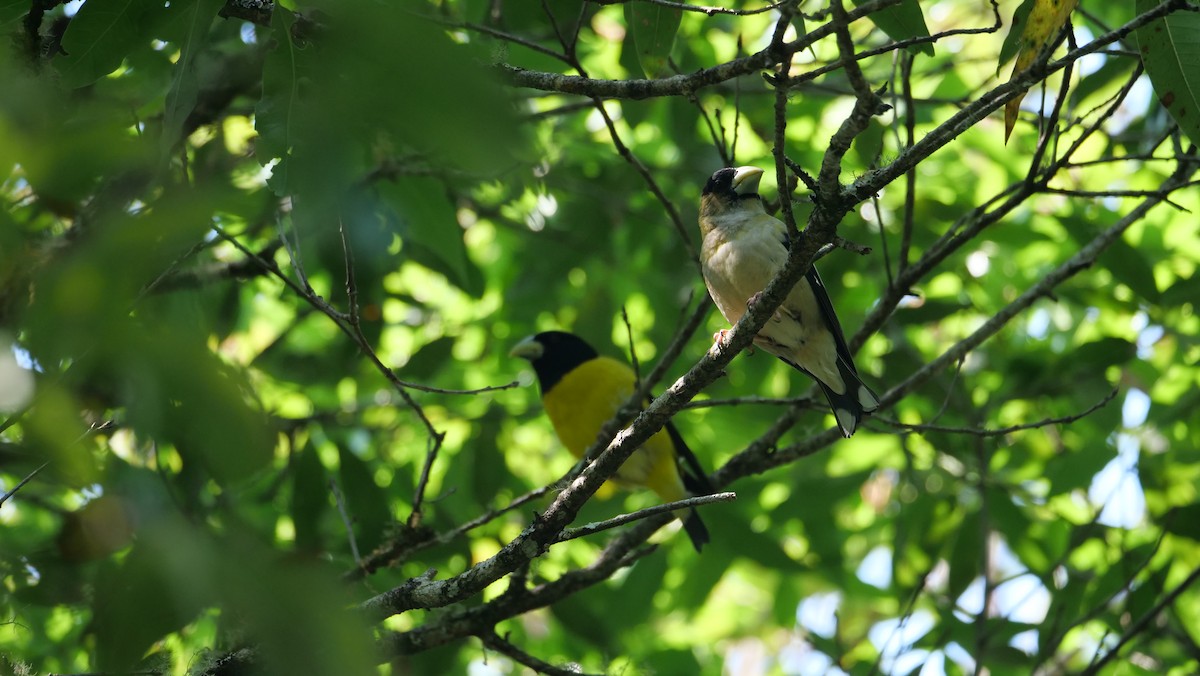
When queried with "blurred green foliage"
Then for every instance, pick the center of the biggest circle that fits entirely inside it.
(199, 209)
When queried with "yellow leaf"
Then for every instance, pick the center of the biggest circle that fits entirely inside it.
(1045, 20)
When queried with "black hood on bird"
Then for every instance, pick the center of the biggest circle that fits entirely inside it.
(734, 183)
(554, 354)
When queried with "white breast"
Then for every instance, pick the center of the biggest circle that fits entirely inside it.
(741, 256)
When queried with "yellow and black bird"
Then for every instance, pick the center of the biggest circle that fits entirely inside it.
(744, 247)
(582, 390)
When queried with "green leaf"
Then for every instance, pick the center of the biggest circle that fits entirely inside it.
(1114, 70)
(1131, 267)
(309, 498)
(868, 146)
(966, 556)
(1126, 263)
(1012, 42)
(653, 28)
(273, 115)
(12, 12)
(135, 606)
(1071, 470)
(196, 17)
(1102, 353)
(427, 217)
(365, 500)
(102, 33)
(1182, 291)
(902, 22)
(1184, 520)
(1170, 50)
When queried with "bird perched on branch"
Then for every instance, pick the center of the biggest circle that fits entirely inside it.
(744, 247)
(582, 390)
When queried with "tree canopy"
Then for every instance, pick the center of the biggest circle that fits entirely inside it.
(262, 264)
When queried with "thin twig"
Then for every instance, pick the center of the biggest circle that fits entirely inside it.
(633, 358)
(431, 453)
(703, 9)
(592, 528)
(502, 645)
(750, 401)
(346, 520)
(4, 498)
(1143, 622)
(998, 432)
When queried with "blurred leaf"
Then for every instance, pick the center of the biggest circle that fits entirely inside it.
(12, 11)
(868, 145)
(279, 605)
(1147, 592)
(1114, 70)
(430, 359)
(1170, 49)
(276, 109)
(902, 22)
(427, 217)
(1184, 520)
(310, 499)
(1183, 291)
(366, 504)
(102, 33)
(588, 615)
(672, 662)
(966, 556)
(1073, 470)
(196, 17)
(469, 125)
(137, 603)
(1102, 353)
(54, 434)
(638, 588)
(653, 29)
(1126, 263)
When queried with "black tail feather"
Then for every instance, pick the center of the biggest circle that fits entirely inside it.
(849, 406)
(691, 472)
(695, 529)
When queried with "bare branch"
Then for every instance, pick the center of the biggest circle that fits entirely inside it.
(677, 84)
(1143, 622)
(502, 645)
(999, 432)
(592, 528)
(711, 11)
(4, 498)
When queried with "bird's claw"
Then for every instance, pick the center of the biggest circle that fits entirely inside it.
(719, 340)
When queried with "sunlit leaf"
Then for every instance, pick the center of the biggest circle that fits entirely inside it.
(1170, 49)
(903, 21)
(1042, 25)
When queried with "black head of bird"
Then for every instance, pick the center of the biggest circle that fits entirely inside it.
(731, 190)
(553, 354)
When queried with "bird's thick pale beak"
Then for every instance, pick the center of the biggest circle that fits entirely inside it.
(745, 180)
(527, 349)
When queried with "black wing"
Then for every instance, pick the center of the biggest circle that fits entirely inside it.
(695, 479)
(831, 320)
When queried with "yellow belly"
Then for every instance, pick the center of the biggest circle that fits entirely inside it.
(588, 397)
